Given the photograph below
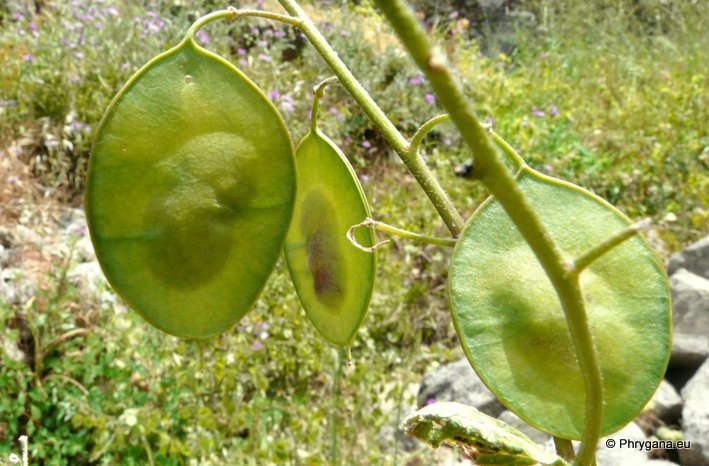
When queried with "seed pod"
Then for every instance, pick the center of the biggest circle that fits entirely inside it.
(190, 192)
(513, 329)
(333, 279)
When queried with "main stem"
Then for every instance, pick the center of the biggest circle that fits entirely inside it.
(501, 183)
(414, 162)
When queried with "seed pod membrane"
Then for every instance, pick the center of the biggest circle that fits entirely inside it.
(333, 279)
(513, 329)
(190, 191)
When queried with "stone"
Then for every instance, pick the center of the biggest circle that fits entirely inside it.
(688, 350)
(690, 303)
(88, 278)
(695, 259)
(458, 381)
(666, 403)
(695, 418)
(16, 288)
(510, 418)
(618, 455)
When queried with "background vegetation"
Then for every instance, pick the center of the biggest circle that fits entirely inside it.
(609, 94)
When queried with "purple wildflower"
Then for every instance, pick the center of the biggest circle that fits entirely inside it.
(242, 52)
(257, 346)
(243, 62)
(274, 95)
(334, 111)
(430, 401)
(264, 57)
(280, 33)
(537, 113)
(553, 110)
(28, 57)
(203, 37)
(454, 14)
(430, 99)
(366, 144)
(416, 80)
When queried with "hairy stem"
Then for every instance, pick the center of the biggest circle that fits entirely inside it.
(414, 162)
(501, 183)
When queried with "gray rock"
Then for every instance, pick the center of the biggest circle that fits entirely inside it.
(457, 381)
(695, 418)
(666, 403)
(690, 303)
(16, 287)
(533, 433)
(88, 278)
(688, 351)
(622, 455)
(695, 259)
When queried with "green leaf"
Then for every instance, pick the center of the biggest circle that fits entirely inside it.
(488, 440)
(333, 279)
(190, 192)
(513, 329)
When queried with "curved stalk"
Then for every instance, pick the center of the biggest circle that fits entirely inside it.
(414, 162)
(392, 230)
(318, 92)
(232, 13)
(501, 183)
(424, 129)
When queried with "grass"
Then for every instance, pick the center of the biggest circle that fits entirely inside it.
(611, 99)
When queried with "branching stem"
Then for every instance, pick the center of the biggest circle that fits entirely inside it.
(502, 184)
(414, 162)
(599, 250)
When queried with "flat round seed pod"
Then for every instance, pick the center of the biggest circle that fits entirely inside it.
(513, 329)
(333, 279)
(190, 192)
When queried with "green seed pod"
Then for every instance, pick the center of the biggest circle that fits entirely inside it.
(190, 192)
(333, 279)
(513, 329)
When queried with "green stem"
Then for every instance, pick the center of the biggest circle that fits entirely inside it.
(598, 251)
(501, 183)
(341, 353)
(232, 13)
(414, 162)
(318, 92)
(385, 228)
(424, 129)
(508, 150)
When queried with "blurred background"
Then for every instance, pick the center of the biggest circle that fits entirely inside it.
(608, 94)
